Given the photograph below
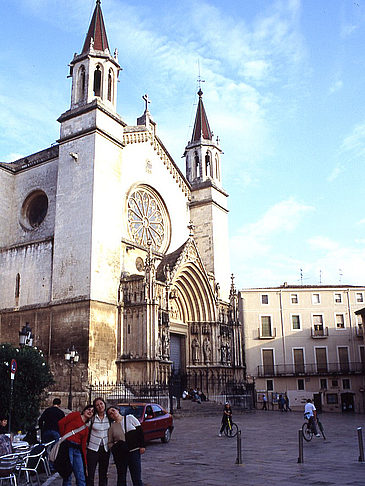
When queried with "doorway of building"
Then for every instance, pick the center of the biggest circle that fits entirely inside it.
(347, 402)
(317, 402)
(177, 352)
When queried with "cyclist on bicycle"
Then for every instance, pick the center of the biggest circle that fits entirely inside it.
(310, 413)
(227, 416)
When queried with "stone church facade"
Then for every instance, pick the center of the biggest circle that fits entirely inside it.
(106, 245)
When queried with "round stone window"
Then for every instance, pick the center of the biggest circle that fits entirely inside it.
(34, 209)
(148, 219)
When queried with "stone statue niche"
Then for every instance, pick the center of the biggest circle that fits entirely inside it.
(195, 351)
(207, 350)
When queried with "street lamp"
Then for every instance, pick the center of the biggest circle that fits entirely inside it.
(72, 357)
(26, 336)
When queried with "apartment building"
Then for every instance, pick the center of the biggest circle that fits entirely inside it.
(306, 342)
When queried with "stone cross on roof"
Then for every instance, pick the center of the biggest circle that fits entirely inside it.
(146, 100)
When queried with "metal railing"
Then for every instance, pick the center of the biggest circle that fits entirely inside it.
(266, 335)
(216, 387)
(311, 369)
(319, 332)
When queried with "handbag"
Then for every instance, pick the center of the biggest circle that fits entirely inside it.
(56, 448)
(121, 448)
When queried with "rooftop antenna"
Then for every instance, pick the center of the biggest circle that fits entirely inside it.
(320, 277)
(301, 276)
(340, 275)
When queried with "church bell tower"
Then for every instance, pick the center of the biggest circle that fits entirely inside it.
(208, 206)
(95, 71)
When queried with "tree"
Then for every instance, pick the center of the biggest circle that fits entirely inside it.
(32, 377)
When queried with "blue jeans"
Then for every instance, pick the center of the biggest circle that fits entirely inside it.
(49, 435)
(77, 464)
(131, 460)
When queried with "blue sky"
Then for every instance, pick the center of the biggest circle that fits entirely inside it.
(284, 91)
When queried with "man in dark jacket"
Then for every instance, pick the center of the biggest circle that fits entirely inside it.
(48, 422)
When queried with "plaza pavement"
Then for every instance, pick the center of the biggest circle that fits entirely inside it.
(196, 455)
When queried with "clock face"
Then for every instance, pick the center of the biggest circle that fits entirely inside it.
(148, 219)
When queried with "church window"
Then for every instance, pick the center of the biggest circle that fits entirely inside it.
(197, 165)
(148, 220)
(17, 285)
(110, 85)
(97, 81)
(81, 84)
(34, 209)
(208, 165)
(217, 172)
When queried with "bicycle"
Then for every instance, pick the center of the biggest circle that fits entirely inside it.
(308, 432)
(231, 429)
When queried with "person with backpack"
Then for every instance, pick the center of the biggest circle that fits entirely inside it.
(97, 448)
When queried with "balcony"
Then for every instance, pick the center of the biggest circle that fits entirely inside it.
(266, 335)
(319, 332)
(359, 329)
(311, 369)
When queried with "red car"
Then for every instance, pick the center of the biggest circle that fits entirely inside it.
(156, 422)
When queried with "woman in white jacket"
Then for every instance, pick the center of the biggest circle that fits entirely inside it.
(126, 456)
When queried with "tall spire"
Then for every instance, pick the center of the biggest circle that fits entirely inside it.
(201, 126)
(96, 34)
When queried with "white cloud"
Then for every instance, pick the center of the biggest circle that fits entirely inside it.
(254, 239)
(322, 243)
(354, 144)
(362, 221)
(352, 149)
(336, 86)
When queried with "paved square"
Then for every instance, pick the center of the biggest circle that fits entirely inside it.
(196, 455)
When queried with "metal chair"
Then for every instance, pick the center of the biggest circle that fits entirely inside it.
(9, 467)
(44, 459)
(32, 462)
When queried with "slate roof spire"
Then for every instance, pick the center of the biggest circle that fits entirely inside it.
(96, 34)
(201, 126)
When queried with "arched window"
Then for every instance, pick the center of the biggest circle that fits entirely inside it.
(197, 165)
(208, 165)
(81, 84)
(110, 85)
(217, 171)
(97, 81)
(17, 285)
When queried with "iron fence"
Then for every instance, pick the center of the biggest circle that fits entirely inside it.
(216, 387)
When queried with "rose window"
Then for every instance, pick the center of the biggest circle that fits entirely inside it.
(147, 219)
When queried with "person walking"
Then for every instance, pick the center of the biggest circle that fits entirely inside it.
(310, 413)
(227, 415)
(281, 403)
(97, 448)
(126, 457)
(287, 407)
(264, 402)
(48, 422)
(76, 444)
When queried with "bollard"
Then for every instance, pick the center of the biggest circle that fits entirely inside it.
(300, 441)
(239, 448)
(361, 444)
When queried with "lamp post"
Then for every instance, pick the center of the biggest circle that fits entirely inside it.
(72, 357)
(25, 336)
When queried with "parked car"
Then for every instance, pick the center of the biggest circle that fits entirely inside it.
(155, 421)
